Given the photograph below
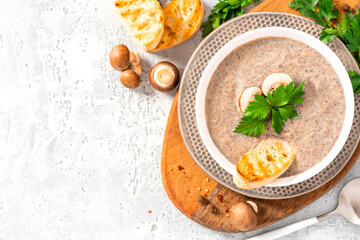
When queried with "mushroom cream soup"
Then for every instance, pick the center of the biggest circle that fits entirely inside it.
(312, 134)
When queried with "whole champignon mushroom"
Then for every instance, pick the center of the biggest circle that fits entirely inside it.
(164, 76)
(243, 216)
(247, 96)
(120, 57)
(273, 81)
(130, 79)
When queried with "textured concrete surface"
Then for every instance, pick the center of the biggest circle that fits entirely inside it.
(79, 153)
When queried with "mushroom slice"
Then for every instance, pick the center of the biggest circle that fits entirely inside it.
(164, 76)
(247, 96)
(273, 81)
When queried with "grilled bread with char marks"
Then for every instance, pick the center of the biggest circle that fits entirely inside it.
(144, 20)
(263, 164)
(183, 20)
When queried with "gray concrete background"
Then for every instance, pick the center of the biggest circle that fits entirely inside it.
(79, 153)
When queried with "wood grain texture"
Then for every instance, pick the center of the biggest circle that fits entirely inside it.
(177, 181)
(184, 180)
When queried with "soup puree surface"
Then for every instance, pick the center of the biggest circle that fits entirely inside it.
(312, 134)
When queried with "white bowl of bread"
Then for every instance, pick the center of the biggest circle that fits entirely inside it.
(154, 28)
(281, 153)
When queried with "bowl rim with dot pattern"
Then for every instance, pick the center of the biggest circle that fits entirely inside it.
(252, 35)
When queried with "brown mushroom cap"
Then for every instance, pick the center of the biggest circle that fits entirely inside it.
(120, 57)
(243, 216)
(130, 79)
(164, 76)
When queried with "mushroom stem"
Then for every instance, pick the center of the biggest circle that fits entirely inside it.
(164, 76)
(135, 63)
(253, 205)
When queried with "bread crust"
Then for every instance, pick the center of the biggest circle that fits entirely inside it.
(144, 20)
(243, 182)
(183, 20)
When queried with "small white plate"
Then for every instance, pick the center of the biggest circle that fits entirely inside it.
(275, 32)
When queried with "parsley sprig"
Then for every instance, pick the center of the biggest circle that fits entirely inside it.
(348, 28)
(223, 11)
(279, 104)
(322, 16)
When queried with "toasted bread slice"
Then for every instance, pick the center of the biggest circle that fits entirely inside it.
(144, 20)
(183, 19)
(263, 164)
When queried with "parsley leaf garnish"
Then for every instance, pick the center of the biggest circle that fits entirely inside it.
(287, 112)
(259, 108)
(223, 11)
(295, 96)
(277, 122)
(279, 104)
(348, 28)
(251, 126)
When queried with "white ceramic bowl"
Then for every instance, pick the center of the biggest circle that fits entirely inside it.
(275, 32)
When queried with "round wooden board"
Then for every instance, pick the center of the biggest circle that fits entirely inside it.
(184, 180)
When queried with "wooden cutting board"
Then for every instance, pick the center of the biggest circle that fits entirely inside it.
(184, 181)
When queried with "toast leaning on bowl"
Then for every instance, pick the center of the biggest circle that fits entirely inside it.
(263, 164)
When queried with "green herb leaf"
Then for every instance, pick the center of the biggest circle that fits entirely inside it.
(295, 96)
(353, 36)
(234, 2)
(278, 97)
(355, 81)
(277, 122)
(327, 10)
(207, 28)
(251, 126)
(325, 13)
(279, 104)
(344, 25)
(287, 112)
(327, 35)
(216, 21)
(223, 11)
(259, 108)
(348, 29)
(303, 5)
